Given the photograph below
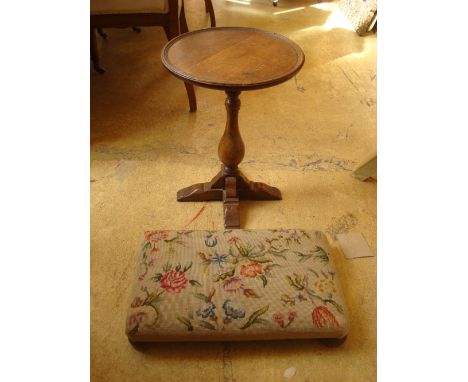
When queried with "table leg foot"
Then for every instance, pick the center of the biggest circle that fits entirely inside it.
(259, 191)
(213, 190)
(230, 187)
(231, 204)
(248, 190)
(199, 192)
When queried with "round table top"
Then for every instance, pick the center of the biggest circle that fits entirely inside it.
(232, 58)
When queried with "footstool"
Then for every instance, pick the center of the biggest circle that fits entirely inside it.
(235, 285)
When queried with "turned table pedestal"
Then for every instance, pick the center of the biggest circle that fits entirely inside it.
(232, 59)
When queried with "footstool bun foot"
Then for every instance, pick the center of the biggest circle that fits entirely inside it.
(333, 342)
(139, 346)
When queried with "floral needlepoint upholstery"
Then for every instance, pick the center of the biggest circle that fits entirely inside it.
(235, 285)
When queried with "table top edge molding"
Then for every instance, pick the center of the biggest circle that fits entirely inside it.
(233, 86)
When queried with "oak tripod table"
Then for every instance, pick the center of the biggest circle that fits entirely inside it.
(232, 59)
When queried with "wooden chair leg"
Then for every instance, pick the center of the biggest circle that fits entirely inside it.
(94, 52)
(191, 96)
(183, 20)
(172, 30)
(209, 9)
(167, 31)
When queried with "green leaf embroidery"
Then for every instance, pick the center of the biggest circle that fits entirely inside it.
(256, 254)
(177, 268)
(290, 282)
(293, 284)
(298, 280)
(202, 297)
(243, 251)
(311, 293)
(278, 254)
(194, 283)
(261, 260)
(313, 271)
(305, 234)
(147, 246)
(225, 275)
(264, 280)
(255, 315)
(187, 267)
(338, 307)
(304, 258)
(322, 255)
(167, 267)
(157, 277)
(186, 322)
(322, 258)
(153, 298)
(206, 325)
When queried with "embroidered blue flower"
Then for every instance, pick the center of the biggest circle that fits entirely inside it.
(208, 311)
(231, 312)
(219, 260)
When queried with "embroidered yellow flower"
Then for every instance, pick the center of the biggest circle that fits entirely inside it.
(325, 285)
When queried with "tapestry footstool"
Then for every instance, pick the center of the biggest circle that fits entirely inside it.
(235, 285)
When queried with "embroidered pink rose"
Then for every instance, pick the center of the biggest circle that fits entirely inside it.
(234, 240)
(136, 319)
(323, 318)
(251, 270)
(154, 236)
(173, 281)
(233, 285)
